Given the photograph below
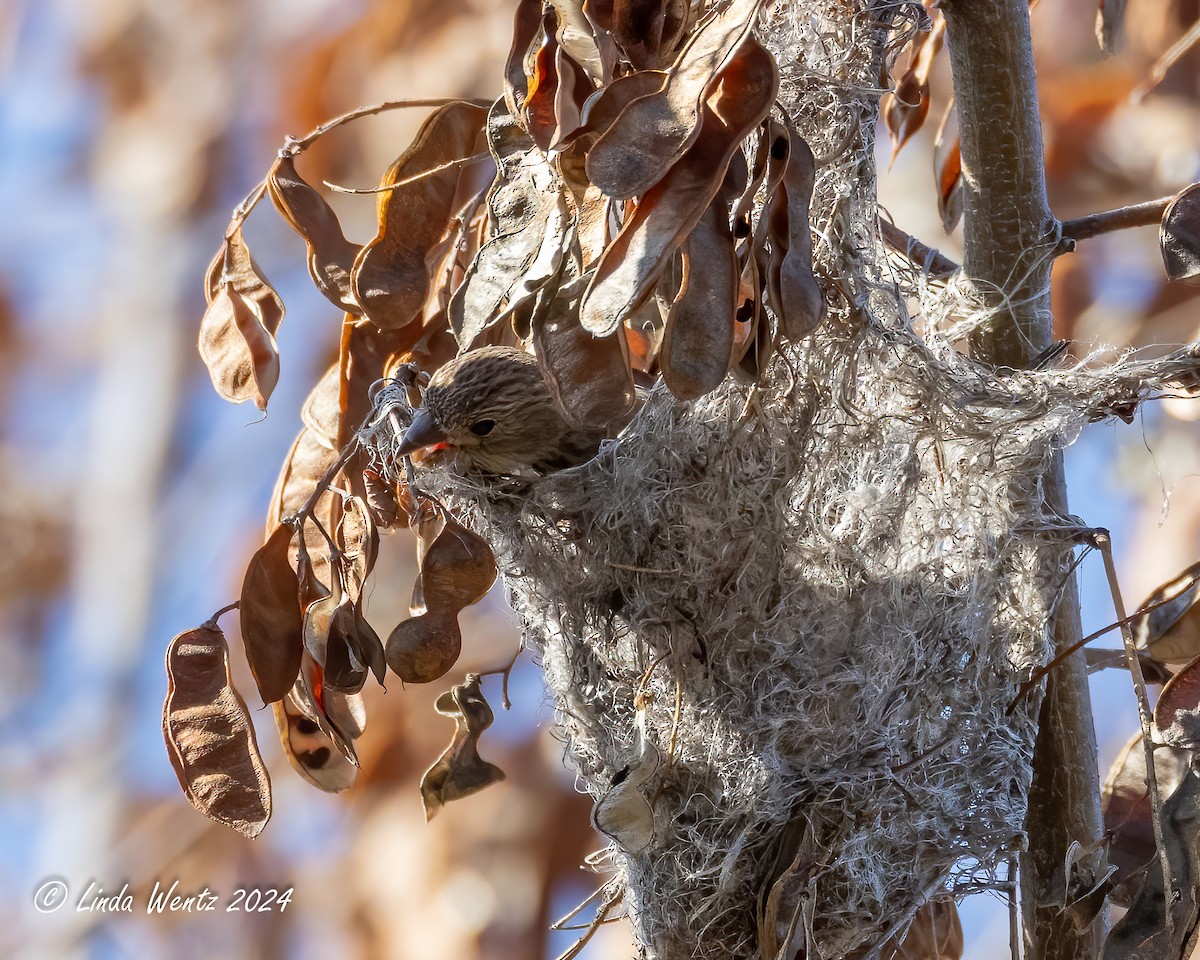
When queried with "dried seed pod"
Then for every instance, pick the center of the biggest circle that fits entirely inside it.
(460, 771)
(425, 648)
(359, 540)
(310, 750)
(457, 570)
(272, 624)
(209, 736)
(1179, 236)
(330, 254)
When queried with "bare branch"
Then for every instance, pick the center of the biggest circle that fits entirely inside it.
(929, 259)
(1122, 218)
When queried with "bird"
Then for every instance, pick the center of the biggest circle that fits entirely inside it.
(491, 412)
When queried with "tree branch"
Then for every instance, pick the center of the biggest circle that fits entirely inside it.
(1011, 237)
(1122, 218)
(930, 260)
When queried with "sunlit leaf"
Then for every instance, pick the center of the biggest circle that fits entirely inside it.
(240, 353)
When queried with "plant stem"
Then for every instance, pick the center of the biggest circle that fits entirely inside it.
(1010, 240)
(1122, 218)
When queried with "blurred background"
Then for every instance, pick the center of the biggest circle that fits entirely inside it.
(133, 496)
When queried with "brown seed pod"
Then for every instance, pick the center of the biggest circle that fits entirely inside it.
(457, 570)
(425, 648)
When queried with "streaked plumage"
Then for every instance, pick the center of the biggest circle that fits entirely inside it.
(493, 413)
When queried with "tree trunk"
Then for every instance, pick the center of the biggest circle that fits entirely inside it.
(1011, 236)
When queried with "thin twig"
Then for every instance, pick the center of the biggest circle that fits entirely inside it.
(387, 187)
(293, 146)
(1103, 542)
(212, 621)
(1167, 61)
(932, 262)
(1122, 218)
(1033, 681)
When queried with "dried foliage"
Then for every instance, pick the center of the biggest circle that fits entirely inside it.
(643, 200)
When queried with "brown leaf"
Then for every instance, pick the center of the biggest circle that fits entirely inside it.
(589, 376)
(1179, 236)
(527, 24)
(698, 340)
(904, 108)
(209, 735)
(424, 648)
(1143, 934)
(330, 254)
(791, 286)
(390, 278)
(1125, 802)
(947, 169)
(460, 771)
(359, 542)
(272, 625)
(648, 30)
(525, 249)
(538, 116)
(936, 934)
(1171, 633)
(240, 353)
(667, 214)
(654, 132)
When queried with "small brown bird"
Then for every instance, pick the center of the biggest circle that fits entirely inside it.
(492, 412)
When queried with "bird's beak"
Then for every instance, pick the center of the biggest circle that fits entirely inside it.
(422, 432)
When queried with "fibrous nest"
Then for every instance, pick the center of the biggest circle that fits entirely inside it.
(783, 624)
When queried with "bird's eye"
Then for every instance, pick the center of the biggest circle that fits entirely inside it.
(483, 427)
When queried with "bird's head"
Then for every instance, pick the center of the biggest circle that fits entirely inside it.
(490, 411)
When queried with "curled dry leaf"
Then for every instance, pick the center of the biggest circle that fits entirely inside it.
(947, 169)
(1171, 633)
(1154, 929)
(538, 116)
(664, 217)
(209, 735)
(623, 814)
(648, 30)
(460, 771)
(359, 542)
(390, 506)
(233, 267)
(1125, 802)
(698, 340)
(330, 255)
(272, 624)
(237, 334)
(936, 934)
(1179, 236)
(239, 352)
(905, 108)
(655, 131)
(390, 277)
